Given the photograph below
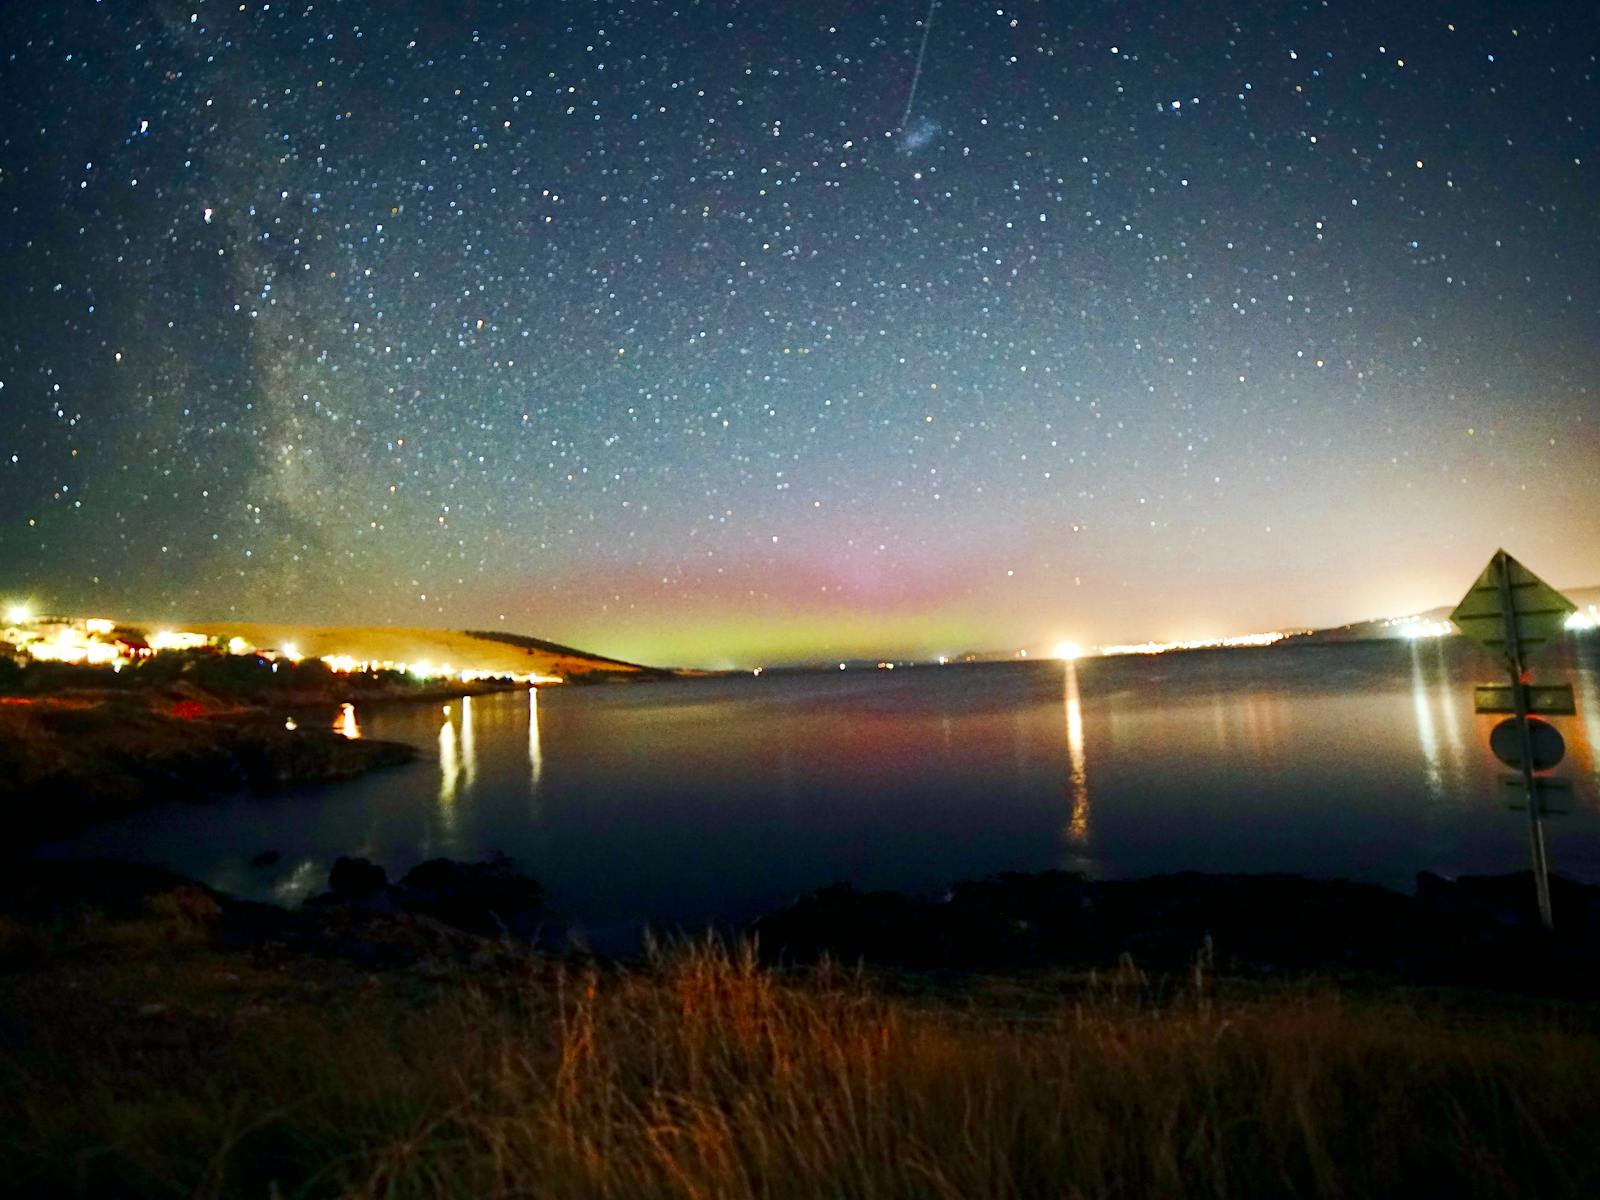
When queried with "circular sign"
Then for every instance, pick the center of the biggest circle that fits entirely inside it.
(1545, 739)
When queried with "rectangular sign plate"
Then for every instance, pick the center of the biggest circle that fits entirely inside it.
(1551, 792)
(1543, 699)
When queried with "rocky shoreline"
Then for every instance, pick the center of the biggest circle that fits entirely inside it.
(1479, 932)
(68, 762)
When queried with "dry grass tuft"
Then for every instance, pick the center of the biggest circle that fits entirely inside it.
(706, 1075)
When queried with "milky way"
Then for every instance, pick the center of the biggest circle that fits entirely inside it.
(637, 326)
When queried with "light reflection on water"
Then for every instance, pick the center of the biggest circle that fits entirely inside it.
(1077, 774)
(535, 753)
(469, 744)
(345, 723)
(300, 880)
(722, 797)
(1422, 704)
(449, 766)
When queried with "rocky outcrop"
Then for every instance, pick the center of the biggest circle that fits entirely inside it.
(441, 911)
(486, 900)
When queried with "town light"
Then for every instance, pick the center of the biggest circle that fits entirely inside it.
(18, 614)
(1068, 651)
(1416, 628)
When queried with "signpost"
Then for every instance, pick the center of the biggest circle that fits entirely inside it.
(1513, 613)
(1550, 700)
(1506, 740)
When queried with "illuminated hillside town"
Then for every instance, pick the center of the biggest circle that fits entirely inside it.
(102, 642)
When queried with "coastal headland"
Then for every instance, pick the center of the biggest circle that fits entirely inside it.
(96, 722)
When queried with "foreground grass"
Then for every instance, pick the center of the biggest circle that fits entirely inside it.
(148, 1070)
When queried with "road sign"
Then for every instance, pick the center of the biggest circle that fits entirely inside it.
(1546, 700)
(1511, 612)
(1538, 612)
(1544, 743)
(1550, 793)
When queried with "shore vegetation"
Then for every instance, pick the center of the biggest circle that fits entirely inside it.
(139, 1059)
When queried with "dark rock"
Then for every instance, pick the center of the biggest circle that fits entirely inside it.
(883, 927)
(489, 898)
(356, 878)
(1477, 931)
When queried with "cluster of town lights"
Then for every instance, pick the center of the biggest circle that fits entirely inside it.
(1243, 639)
(1072, 651)
(1420, 627)
(345, 664)
(95, 641)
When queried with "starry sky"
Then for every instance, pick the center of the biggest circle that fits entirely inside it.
(727, 332)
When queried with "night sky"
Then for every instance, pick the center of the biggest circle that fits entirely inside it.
(723, 333)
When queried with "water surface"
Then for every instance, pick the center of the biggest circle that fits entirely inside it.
(677, 803)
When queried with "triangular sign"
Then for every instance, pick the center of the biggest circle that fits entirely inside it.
(1539, 611)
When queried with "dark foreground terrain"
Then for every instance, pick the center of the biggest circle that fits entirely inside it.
(406, 1038)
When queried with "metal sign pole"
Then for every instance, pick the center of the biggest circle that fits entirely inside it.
(1541, 870)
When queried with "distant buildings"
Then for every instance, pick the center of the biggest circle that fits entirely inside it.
(94, 641)
(100, 642)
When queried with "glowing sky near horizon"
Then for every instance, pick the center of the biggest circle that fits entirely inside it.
(665, 330)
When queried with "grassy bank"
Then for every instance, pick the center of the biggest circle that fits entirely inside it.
(136, 1060)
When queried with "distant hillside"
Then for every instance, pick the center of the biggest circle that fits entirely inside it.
(460, 649)
(1378, 627)
(556, 649)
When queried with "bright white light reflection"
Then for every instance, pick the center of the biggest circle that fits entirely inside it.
(345, 722)
(1078, 780)
(299, 882)
(1068, 651)
(449, 764)
(1425, 730)
(469, 744)
(535, 753)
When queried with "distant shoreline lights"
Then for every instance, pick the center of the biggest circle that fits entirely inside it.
(1415, 628)
(1243, 639)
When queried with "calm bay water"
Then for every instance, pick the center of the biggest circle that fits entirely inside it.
(676, 803)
